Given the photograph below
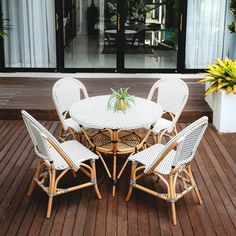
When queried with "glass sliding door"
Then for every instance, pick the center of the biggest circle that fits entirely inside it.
(208, 36)
(31, 41)
(90, 33)
(151, 34)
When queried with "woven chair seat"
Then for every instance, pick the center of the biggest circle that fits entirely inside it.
(75, 150)
(161, 125)
(70, 123)
(171, 163)
(68, 156)
(147, 156)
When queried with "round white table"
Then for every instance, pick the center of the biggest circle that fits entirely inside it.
(93, 113)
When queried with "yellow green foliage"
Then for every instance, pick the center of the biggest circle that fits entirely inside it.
(221, 75)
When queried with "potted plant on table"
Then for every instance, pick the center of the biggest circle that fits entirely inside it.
(221, 80)
(120, 100)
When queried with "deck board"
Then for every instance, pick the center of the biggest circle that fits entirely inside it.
(34, 95)
(80, 213)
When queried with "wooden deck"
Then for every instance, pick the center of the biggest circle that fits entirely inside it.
(80, 213)
(34, 95)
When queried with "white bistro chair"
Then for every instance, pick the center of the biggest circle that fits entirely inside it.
(170, 162)
(172, 95)
(56, 159)
(65, 92)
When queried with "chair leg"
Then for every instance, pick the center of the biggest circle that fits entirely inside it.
(198, 195)
(114, 178)
(123, 168)
(104, 164)
(173, 213)
(132, 179)
(74, 174)
(72, 133)
(50, 199)
(172, 198)
(94, 178)
(154, 138)
(52, 174)
(33, 183)
(160, 136)
(60, 135)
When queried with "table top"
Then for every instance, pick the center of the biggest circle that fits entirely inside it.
(114, 31)
(93, 113)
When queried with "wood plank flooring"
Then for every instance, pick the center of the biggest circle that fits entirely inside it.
(34, 95)
(80, 213)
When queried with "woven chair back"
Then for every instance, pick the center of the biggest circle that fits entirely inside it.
(186, 143)
(65, 92)
(40, 137)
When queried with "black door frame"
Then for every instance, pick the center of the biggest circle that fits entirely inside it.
(3, 67)
(120, 42)
(60, 46)
(180, 67)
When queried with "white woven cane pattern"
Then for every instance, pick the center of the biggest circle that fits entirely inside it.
(74, 151)
(161, 125)
(40, 144)
(93, 113)
(188, 140)
(65, 92)
(187, 148)
(70, 123)
(172, 95)
(147, 156)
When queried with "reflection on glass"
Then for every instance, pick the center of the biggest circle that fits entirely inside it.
(31, 42)
(90, 33)
(151, 28)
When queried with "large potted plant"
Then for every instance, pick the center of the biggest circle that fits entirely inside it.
(221, 87)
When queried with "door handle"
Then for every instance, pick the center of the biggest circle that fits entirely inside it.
(181, 23)
(57, 22)
(118, 22)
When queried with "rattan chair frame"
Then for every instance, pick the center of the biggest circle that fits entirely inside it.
(47, 177)
(66, 133)
(182, 173)
(171, 131)
(115, 151)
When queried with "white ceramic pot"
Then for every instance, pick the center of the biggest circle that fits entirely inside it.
(224, 111)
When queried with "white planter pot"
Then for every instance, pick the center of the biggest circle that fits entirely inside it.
(224, 111)
(210, 98)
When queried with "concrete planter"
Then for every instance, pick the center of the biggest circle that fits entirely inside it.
(224, 110)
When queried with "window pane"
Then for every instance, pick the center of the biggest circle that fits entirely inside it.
(90, 33)
(31, 42)
(208, 36)
(151, 33)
